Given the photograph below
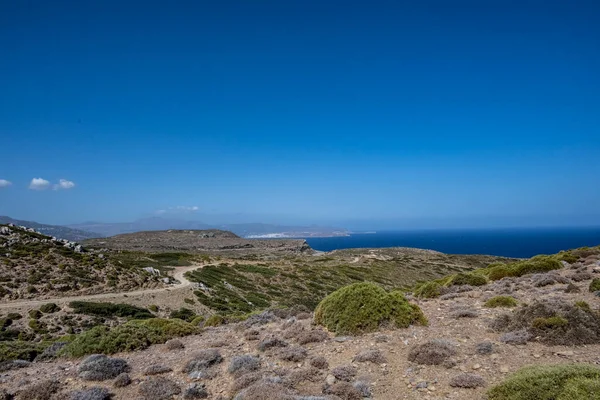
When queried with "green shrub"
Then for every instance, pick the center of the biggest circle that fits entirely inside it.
(189, 301)
(581, 388)
(183, 313)
(549, 323)
(35, 314)
(110, 310)
(14, 316)
(546, 383)
(364, 307)
(153, 307)
(134, 335)
(49, 308)
(428, 290)
(595, 285)
(215, 320)
(501, 301)
(37, 326)
(198, 320)
(583, 305)
(469, 279)
(519, 268)
(20, 350)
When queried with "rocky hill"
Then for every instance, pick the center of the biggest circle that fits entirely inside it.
(527, 329)
(61, 232)
(210, 241)
(33, 265)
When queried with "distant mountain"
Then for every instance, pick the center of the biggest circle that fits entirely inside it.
(243, 230)
(61, 232)
(144, 224)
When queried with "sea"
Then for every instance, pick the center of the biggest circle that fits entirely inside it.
(520, 243)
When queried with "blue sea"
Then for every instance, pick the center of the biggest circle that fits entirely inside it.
(520, 243)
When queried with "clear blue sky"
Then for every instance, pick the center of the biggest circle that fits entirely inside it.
(378, 113)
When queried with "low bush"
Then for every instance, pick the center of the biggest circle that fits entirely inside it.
(195, 391)
(501, 301)
(549, 323)
(553, 322)
(99, 367)
(202, 360)
(515, 337)
(49, 308)
(157, 369)
(122, 380)
(433, 352)
(343, 390)
(243, 364)
(183, 313)
(174, 344)
(214, 320)
(21, 350)
(561, 382)
(159, 388)
(35, 314)
(133, 335)
(110, 310)
(464, 312)
(319, 362)
(293, 353)
(314, 336)
(43, 390)
(469, 278)
(428, 290)
(344, 372)
(271, 342)
(467, 381)
(535, 264)
(594, 285)
(375, 356)
(93, 393)
(364, 307)
(581, 388)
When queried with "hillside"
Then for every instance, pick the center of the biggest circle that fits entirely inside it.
(242, 229)
(33, 265)
(543, 312)
(212, 241)
(61, 232)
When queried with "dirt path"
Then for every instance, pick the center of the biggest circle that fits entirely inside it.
(178, 274)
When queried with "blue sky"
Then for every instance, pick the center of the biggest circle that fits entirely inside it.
(371, 114)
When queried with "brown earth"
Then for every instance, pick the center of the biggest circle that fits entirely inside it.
(396, 378)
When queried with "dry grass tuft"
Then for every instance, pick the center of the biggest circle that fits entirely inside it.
(374, 356)
(99, 367)
(467, 381)
(159, 388)
(344, 372)
(319, 362)
(433, 352)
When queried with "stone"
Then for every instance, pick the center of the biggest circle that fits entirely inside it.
(330, 380)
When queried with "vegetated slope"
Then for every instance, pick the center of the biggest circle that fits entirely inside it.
(61, 232)
(248, 286)
(286, 354)
(33, 265)
(211, 241)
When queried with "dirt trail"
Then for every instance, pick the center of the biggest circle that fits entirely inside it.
(178, 274)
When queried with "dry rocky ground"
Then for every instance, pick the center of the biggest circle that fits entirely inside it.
(290, 358)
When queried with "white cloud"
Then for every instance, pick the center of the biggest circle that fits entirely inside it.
(5, 183)
(185, 208)
(64, 184)
(39, 184)
(177, 210)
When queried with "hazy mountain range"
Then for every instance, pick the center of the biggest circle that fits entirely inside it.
(88, 230)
